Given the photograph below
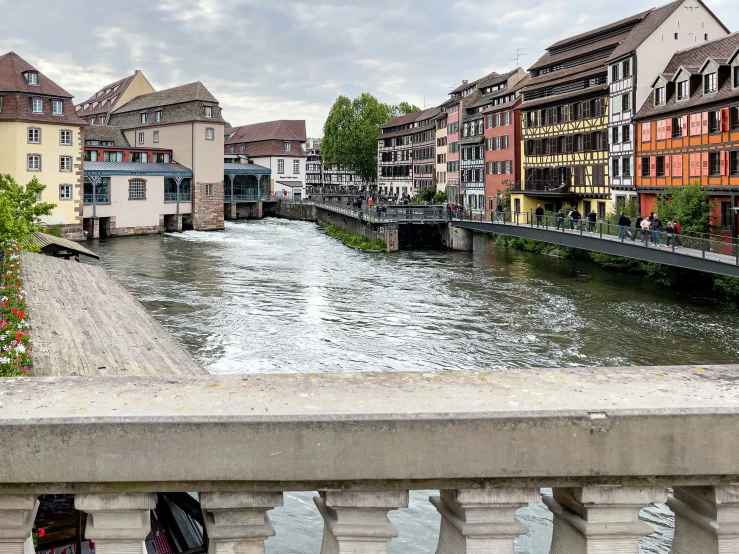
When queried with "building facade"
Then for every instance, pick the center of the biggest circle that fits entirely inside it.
(41, 137)
(424, 151)
(313, 163)
(442, 150)
(688, 129)
(187, 121)
(395, 156)
(452, 178)
(96, 109)
(631, 69)
(277, 145)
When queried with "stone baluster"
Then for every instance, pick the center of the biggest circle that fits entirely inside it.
(356, 522)
(600, 519)
(481, 520)
(117, 523)
(238, 521)
(17, 514)
(706, 519)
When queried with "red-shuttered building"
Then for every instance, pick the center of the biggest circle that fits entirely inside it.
(688, 129)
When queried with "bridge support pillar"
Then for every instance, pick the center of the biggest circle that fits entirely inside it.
(230, 211)
(461, 239)
(481, 520)
(356, 522)
(706, 519)
(392, 242)
(600, 519)
(17, 514)
(238, 521)
(118, 523)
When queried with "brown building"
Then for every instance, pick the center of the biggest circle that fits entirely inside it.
(424, 150)
(688, 129)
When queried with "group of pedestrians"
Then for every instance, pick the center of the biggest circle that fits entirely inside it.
(651, 227)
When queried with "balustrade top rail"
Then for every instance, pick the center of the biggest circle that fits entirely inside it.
(540, 427)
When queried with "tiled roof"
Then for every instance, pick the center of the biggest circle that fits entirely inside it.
(571, 41)
(564, 75)
(136, 167)
(101, 102)
(720, 49)
(246, 169)
(606, 45)
(12, 78)
(398, 133)
(270, 148)
(177, 95)
(106, 133)
(401, 120)
(643, 30)
(513, 90)
(562, 97)
(283, 129)
(426, 114)
(495, 79)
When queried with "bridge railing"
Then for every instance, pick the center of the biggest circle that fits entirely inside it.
(609, 443)
(250, 198)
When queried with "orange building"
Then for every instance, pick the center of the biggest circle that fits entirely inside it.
(688, 129)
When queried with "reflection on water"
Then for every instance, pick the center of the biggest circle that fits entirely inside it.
(279, 296)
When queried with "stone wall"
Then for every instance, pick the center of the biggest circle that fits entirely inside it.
(208, 211)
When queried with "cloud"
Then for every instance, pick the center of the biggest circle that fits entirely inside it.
(282, 59)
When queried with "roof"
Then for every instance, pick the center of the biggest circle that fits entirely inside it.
(505, 92)
(245, 169)
(605, 44)
(427, 114)
(12, 68)
(583, 37)
(718, 50)
(106, 133)
(51, 245)
(178, 95)
(560, 97)
(466, 85)
(401, 120)
(136, 168)
(282, 129)
(292, 184)
(643, 31)
(102, 101)
(267, 148)
(548, 79)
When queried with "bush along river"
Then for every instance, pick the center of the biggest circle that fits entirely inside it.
(278, 296)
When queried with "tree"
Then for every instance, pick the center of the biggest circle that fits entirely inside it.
(20, 211)
(351, 130)
(690, 205)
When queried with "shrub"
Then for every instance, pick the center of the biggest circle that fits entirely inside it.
(15, 340)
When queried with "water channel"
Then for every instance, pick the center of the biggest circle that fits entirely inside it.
(279, 296)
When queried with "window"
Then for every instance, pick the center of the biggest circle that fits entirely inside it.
(208, 190)
(160, 158)
(296, 166)
(143, 117)
(497, 120)
(112, 156)
(616, 167)
(507, 118)
(736, 76)
(714, 121)
(57, 107)
(156, 136)
(627, 68)
(626, 167)
(677, 127)
(660, 95)
(676, 35)
(208, 111)
(65, 192)
(280, 166)
(660, 166)
(705, 37)
(288, 146)
(91, 155)
(141, 138)
(158, 115)
(614, 135)
(137, 189)
(65, 163)
(710, 83)
(626, 133)
(209, 134)
(714, 163)
(727, 214)
(579, 143)
(34, 162)
(577, 111)
(65, 138)
(614, 72)
(734, 119)
(92, 121)
(37, 106)
(242, 148)
(625, 102)
(34, 135)
(32, 78)
(645, 167)
(734, 163)
(489, 122)
(683, 90)
(137, 157)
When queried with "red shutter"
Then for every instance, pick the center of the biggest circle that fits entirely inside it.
(695, 162)
(649, 131)
(638, 167)
(724, 156)
(704, 123)
(667, 166)
(685, 125)
(704, 164)
(659, 130)
(724, 119)
(695, 124)
(668, 128)
(653, 166)
(677, 166)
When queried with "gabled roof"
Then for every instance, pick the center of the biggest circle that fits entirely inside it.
(695, 56)
(101, 102)
(717, 61)
(401, 120)
(12, 78)
(495, 79)
(574, 41)
(649, 24)
(106, 133)
(426, 114)
(178, 95)
(281, 130)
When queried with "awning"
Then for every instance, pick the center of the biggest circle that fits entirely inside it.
(291, 184)
(245, 169)
(61, 248)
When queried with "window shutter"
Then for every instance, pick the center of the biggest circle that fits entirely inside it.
(724, 119)
(724, 161)
(685, 125)
(667, 167)
(677, 166)
(638, 167)
(653, 166)
(704, 123)
(569, 144)
(668, 128)
(704, 163)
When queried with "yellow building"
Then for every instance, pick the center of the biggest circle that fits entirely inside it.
(41, 136)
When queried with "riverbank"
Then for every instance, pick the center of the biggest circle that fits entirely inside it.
(673, 277)
(353, 240)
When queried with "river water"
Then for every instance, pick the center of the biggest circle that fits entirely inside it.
(279, 296)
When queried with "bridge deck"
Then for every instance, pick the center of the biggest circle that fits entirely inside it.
(84, 323)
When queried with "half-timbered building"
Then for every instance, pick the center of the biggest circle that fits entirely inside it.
(688, 129)
(424, 150)
(442, 150)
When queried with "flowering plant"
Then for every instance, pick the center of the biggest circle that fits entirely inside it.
(15, 339)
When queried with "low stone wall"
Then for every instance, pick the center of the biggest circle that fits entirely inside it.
(291, 210)
(385, 231)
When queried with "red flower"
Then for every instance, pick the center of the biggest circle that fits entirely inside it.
(41, 532)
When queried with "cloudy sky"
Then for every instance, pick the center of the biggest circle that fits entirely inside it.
(277, 59)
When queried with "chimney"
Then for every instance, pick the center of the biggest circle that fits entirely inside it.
(137, 71)
(464, 82)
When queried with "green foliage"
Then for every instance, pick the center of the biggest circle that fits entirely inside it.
(690, 206)
(353, 240)
(55, 230)
(15, 338)
(627, 206)
(440, 198)
(351, 130)
(426, 195)
(20, 211)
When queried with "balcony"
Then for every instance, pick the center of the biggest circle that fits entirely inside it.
(172, 197)
(100, 198)
(548, 186)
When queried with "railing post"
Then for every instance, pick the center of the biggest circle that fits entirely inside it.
(17, 514)
(706, 519)
(238, 521)
(600, 519)
(703, 248)
(481, 520)
(118, 523)
(356, 522)
(601, 229)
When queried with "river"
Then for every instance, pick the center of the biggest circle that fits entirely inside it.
(279, 296)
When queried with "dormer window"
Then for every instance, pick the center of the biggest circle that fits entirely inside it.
(143, 117)
(92, 121)
(57, 107)
(683, 90)
(158, 115)
(736, 76)
(288, 146)
(710, 83)
(208, 111)
(660, 96)
(102, 120)
(32, 78)
(37, 105)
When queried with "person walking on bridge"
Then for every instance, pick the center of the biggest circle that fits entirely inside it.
(560, 219)
(539, 215)
(592, 218)
(655, 227)
(678, 232)
(623, 224)
(499, 213)
(575, 217)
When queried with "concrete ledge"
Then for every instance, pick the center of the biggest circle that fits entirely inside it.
(629, 426)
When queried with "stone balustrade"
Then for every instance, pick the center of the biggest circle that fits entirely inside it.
(609, 442)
